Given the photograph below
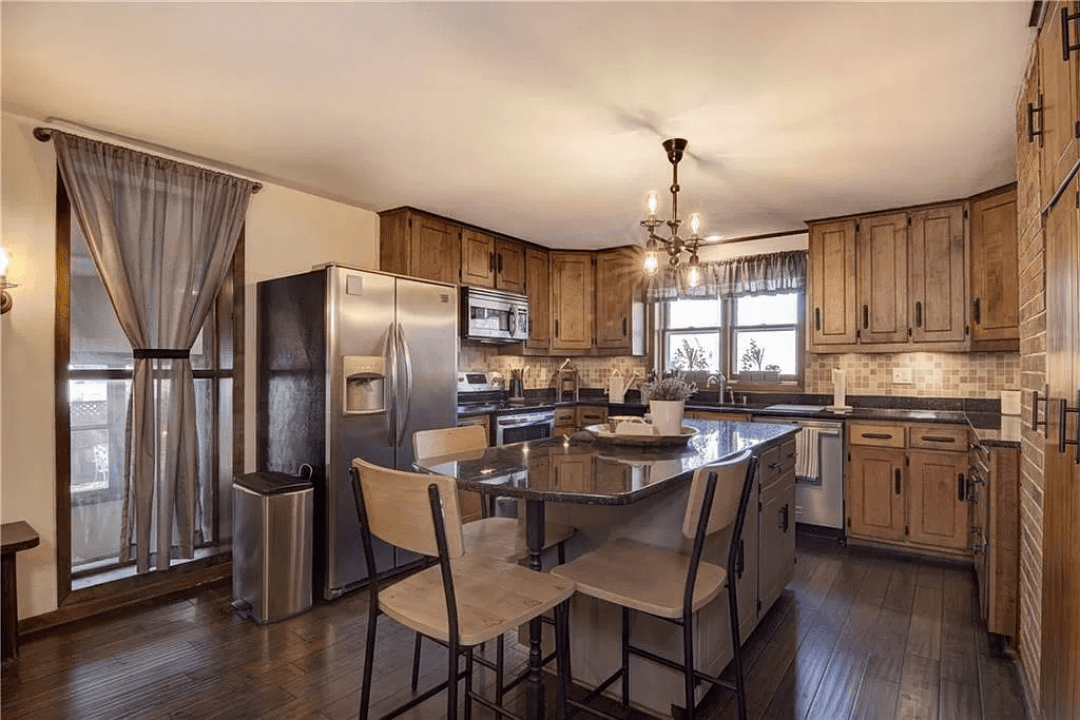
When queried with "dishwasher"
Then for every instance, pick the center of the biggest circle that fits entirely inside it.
(819, 469)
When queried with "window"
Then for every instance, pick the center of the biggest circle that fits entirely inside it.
(752, 338)
(95, 365)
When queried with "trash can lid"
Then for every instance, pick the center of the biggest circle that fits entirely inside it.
(272, 483)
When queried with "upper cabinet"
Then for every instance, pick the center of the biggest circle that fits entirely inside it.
(1059, 64)
(538, 288)
(509, 265)
(995, 297)
(936, 270)
(620, 314)
(572, 307)
(492, 262)
(420, 245)
(889, 282)
(832, 284)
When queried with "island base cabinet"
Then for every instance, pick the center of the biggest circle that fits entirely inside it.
(776, 533)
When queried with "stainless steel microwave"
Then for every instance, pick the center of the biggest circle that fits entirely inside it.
(492, 316)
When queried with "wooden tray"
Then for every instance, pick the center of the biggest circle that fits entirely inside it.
(603, 434)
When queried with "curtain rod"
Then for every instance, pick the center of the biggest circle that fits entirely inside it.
(44, 134)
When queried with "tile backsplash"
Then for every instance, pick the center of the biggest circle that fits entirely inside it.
(969, 375)
(593, 372)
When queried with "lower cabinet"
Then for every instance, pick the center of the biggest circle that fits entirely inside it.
(904, 494)
(565, 421)
(776, 538)
(875, 493)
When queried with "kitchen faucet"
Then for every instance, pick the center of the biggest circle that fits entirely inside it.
(721, 380)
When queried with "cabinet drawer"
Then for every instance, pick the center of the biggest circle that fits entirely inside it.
(587, 415)
(939, 437)
(565, 416)
(787, 457)
(876, 435)
(769, 462)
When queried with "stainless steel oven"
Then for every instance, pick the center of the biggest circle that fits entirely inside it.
(524, 425)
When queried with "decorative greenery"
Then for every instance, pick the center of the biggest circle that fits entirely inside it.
(668, 388)
(688, 357)
(753, 357)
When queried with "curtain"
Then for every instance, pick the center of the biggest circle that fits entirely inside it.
(162, 236)
(748, 275)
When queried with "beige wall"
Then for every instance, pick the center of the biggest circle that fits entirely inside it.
(287, 231)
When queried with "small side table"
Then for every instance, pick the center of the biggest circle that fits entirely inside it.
(14, 536)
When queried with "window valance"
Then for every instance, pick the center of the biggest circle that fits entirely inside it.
(748, 275)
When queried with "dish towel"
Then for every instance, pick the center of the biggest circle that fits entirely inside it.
(807, 468)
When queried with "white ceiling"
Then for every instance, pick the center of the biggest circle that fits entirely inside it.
(544, 120)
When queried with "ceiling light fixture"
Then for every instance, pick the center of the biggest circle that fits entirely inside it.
(675, 244)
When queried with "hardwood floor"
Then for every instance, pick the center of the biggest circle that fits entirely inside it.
(859, 634)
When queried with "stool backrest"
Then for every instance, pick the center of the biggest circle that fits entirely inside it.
(731, 476)
(444, 441)
(398, 508)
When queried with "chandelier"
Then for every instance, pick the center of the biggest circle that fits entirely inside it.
(675, 244)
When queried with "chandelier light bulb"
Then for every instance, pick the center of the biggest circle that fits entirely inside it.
(693, 275)
(4, 261)
(651, 265)
(652, 203)
(695, 223)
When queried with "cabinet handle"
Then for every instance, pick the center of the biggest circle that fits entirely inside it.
(961, 489)
(1035, 421)
(938, 438)
(740, 561)
(817, 318)
(624, 327)
(1032, 111)
(876, 436)
(491, 261)
(783, 519)
(896, 481)
(918, 313)
(500, 263)
(1066, 46)
(976, 312)
(865, 316)
(1063, 413)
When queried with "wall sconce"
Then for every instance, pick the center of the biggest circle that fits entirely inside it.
(5, 297)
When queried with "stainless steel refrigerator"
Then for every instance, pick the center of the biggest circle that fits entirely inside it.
(350, 364)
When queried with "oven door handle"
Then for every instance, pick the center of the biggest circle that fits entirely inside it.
(528, 421)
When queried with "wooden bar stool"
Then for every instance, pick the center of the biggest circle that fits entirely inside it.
(494, 537)
(462, 601)
(671, 585)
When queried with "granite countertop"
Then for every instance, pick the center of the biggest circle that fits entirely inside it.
(581, 470)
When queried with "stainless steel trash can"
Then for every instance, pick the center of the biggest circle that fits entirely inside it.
(271, 546)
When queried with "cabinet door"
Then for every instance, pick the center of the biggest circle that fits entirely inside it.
(615, 273)
(876, 493)
(832, 283)
(881, 249)
(477, 259)
(435, 250)
(591, 415)
(572, 301)
(938, 292)
(746, 587)
(572, 473)
(537, 286)
(995, 293)
(509, 265)
(937, 499)
(776, 543)
(1060, 78)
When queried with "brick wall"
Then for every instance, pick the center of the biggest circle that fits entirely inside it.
(1031, 257)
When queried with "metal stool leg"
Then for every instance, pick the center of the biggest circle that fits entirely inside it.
(625, 656)
(689, 681)
(736, 649)
(416, 662)
(369, 660)
(562, 647)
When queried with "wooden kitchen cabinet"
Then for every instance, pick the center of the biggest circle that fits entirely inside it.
(995, 289)
(477, 259)
(420, 245)
(937, 499)
(938, 297)
(1060, 86)
(591, 415)
(538, 288)
(882, 250)
(776, 525)
(831, 310)
(565, 421)
(509, 265)
(620, 314)
(994, 488)
(876, 493)
(572, 294)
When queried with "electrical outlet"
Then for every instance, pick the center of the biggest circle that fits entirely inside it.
(901, 376)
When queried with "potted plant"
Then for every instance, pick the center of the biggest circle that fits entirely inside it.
(667, 400)
(752, 358)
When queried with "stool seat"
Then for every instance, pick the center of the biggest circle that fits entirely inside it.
(504, 538)
(642, 577)
(492, 596)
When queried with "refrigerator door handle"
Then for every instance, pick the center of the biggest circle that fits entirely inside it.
(390, 350)
(407, 401)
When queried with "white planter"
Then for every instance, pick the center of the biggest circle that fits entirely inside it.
(667, 416)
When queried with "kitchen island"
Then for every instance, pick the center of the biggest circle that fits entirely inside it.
(610, 491)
